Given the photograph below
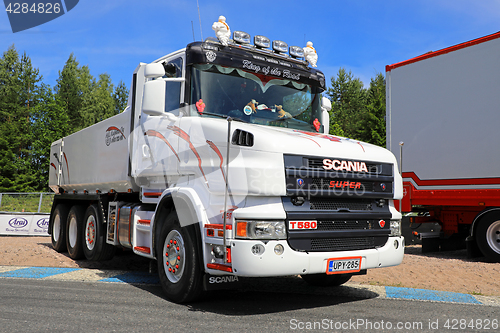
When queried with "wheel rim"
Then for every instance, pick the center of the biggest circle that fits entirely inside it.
(56, 228)
(90, 231)
(174, 256)
(72, 232)
(493, 236)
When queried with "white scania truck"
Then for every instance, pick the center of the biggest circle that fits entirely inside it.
(221, 167)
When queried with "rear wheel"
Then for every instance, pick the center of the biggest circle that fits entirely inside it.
(325, 280)
(74, 232)
(178, 259)
(94, 237)
(488, 236)
(58, 230)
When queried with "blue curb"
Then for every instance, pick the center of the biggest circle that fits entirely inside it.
(37, 272)
(430, 295)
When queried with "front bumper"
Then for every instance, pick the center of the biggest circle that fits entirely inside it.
(245, 263)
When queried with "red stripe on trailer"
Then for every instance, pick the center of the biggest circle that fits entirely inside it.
(451, 182)
(432, 54)
(447, 197)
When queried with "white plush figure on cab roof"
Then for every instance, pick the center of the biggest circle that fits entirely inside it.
(310, 54)
(222, 31)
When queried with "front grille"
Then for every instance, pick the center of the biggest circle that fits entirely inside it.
(320, 203)
(345, 225)
(342, 244)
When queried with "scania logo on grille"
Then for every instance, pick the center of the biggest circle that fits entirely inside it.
(338, 165)
(300, 182)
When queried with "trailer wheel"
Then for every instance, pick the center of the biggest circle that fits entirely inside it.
(74, 232)
(325, 280)
(58, 231)
(94, 234)
(488, 236)
(178, 260)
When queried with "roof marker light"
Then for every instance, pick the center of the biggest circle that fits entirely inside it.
(296, 52)
(280, 46)
(261, 42)
(241, 37)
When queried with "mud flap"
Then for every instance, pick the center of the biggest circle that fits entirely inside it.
(219, 282)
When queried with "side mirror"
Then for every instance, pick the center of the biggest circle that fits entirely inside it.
(154, 70)
(153, 101)
(326, 104)
(325, 120)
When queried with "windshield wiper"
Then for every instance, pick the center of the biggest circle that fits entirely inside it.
(223, 116)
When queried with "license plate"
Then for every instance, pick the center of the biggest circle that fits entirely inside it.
(343, 265)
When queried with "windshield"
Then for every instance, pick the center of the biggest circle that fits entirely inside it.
(255, 98)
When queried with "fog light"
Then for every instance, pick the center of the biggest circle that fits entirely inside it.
(395, 228)
(396, 244)
(279, 249)
(258, 249)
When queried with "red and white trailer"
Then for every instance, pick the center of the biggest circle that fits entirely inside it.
(443, 123)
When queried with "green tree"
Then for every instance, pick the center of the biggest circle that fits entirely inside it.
(19, 95)
(372, 126)
(51, 123)
(8, 102)
(120, 97)
(73, 86)
(348, 103)
(98, 104)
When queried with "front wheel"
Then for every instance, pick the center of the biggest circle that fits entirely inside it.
(178, 258)
(488, 236)
(325, 280)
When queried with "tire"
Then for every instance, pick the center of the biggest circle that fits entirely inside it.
(488, 236)
(58, 228)
(325, 280)
(178, 258)
(74, 232)
(94, 243)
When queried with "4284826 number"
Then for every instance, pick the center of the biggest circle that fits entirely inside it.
(35, 8)
(479, 324)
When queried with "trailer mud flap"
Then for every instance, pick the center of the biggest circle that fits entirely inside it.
(218, 282)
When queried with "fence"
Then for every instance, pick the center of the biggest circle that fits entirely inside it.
(26, 202)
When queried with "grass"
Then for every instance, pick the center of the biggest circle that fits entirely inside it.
(25, 202)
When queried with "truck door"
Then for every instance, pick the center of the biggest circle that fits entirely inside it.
(155, 152)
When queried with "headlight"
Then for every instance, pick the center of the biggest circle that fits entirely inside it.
(395, 228)
(260, 229)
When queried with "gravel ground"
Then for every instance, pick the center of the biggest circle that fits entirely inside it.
(445, 271)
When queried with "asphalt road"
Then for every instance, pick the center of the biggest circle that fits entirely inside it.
(265, 305)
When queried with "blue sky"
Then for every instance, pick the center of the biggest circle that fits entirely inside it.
(113, 36)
